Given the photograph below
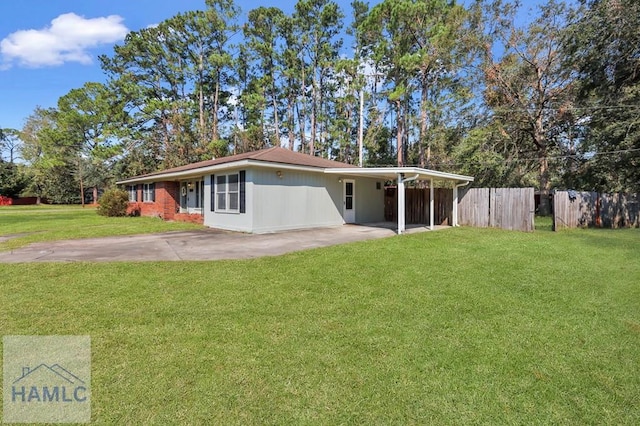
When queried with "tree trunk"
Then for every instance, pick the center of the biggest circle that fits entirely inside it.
(81, 181)
(313, 119)
(292, 123)
(203, 133)
(423, 125)
(545, 183)
(399, 139)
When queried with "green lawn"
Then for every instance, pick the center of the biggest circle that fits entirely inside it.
(463, 326)
(53, 222)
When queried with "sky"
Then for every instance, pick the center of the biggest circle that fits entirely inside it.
(48, 47)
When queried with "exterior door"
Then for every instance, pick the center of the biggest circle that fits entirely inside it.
(349, 201)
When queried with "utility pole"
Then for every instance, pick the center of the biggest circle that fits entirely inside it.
(361, 127)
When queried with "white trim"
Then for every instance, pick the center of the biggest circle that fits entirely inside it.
(203, 171)
(228, 195)
(148, 194)
(388, 172)
(352, 213)
(393, 172)
(431, 205)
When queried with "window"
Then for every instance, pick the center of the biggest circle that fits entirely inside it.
(228, 193)
(149, 192)
(133, 193)
(199, 194)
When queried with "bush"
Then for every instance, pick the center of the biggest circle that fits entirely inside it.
(113, 203)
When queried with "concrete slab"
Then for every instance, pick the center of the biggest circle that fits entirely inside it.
(201, 244)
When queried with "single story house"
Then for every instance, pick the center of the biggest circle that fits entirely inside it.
(275, 189)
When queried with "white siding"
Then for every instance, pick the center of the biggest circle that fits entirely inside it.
(369, 200)
(295, 200)
(232, 221)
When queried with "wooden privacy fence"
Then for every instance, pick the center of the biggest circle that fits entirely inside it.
(506, 208)
(572, 209)
(416, 203)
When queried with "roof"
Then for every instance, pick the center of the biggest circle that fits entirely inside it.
(285, 158)
(393, 172)
(268, 156)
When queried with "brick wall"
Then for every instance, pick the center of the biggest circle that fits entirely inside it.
(191, 218)
(166, 204)
(21, 201)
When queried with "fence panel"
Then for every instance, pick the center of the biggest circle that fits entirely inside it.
(512, 208)
(585, 209)
(417, 205)
(473, 207)
(505, 208)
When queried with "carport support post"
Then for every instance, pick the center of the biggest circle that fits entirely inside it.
(454, 209)
(400, 203)
(431, 204)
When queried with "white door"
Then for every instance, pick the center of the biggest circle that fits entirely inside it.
(349, 201)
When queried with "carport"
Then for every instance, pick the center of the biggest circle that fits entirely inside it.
(402, 175)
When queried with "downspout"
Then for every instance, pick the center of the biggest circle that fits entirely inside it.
(454, 213)
(401, 214)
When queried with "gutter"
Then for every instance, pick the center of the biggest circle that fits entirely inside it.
(454, 213)
(401, 213)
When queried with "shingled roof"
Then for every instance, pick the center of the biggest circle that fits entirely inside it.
(269, 155)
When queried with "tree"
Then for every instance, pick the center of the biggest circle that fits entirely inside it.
(10, 142)
(86, 117)
(604, 46)
(422, 47)
(263, 37)
(173, 79)
(50, 160)
(528, 87)
(319, 23)
(12, 182)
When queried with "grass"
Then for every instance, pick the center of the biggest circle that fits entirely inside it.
(464, 326)
(30, 224)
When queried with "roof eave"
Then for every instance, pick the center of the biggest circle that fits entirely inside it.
(201, 171)
(393, 172)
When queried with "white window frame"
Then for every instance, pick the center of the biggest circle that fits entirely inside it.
(133, 193)
(223, 190)
(148, 192)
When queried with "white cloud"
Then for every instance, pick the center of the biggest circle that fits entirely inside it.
(67, 39)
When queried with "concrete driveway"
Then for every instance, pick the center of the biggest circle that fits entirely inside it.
(201, 244)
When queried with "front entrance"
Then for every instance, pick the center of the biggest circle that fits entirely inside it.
(191, 196)
(349, 201)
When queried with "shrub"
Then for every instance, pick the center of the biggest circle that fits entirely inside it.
(113, 203)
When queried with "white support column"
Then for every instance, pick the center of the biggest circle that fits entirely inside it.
(454, 210)
(431, 204)
(400, 203)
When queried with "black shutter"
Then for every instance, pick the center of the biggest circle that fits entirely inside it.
(243, 197)
(213, 193)
(153, 192)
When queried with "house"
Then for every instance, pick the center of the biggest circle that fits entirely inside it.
(274, 189)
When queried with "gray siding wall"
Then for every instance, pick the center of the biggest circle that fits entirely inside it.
(295, 200)
(232, 221)
(369, 200)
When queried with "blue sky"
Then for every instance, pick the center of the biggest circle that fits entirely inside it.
(48, 47)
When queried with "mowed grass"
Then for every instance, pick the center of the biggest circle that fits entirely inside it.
(29, 224)
(463, 326)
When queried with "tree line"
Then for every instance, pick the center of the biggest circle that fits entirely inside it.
(551, 102)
